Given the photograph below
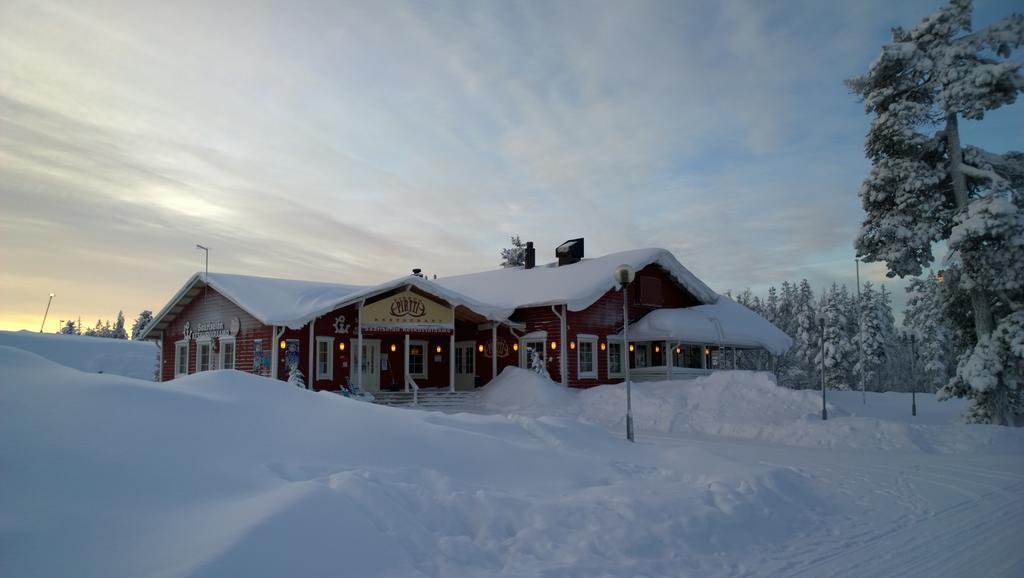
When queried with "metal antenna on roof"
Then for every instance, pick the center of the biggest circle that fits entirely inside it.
(206, 274)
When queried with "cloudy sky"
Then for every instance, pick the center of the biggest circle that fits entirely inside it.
(353, 141)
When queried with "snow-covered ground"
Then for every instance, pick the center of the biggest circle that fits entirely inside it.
(228, 474)
(90, 354)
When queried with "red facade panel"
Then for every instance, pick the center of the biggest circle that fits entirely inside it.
(211, 309)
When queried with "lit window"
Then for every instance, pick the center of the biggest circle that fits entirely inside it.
(614, 359)
(418, 360)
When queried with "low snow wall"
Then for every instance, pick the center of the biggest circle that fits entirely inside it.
(136, 359)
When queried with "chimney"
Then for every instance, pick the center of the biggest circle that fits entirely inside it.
(570, 252)
(417, 272)
(530, 259)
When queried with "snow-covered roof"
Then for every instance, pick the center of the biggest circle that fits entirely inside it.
(725, 322)
(271, 301)
(577, 285)
(292, 303)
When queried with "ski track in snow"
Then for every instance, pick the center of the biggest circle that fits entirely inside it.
(930, 516)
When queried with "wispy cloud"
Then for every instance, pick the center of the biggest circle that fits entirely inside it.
(353, 141)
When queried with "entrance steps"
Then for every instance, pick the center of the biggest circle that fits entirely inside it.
(430, 399)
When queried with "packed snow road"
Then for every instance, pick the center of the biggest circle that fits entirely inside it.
(894, 514)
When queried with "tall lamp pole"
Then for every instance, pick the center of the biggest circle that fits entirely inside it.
(206, 274)
(821, 324)
(624, 275)
(50, 300)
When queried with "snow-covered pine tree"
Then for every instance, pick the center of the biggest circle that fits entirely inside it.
(801, 371)
(514, 256)
(69, 328)
(99, 330)
(295, 376)
(118, 331)
(896, 371)
(871, 338)
(837, 348)
(923, 189)
(140, 323)
(771, 306)
(925, 318)
(537, 365)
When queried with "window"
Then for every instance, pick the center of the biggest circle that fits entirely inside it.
(203, 356)
(615, 359)
(418, 359)
(180, 358)
(324, 359)
(640, 355)
(227, 352)
(687, 356)
(586, 358)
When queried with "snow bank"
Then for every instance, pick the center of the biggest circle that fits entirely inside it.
(228, 474)
(749, 405)
(136, 359)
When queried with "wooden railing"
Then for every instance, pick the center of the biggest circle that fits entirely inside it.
(410, 383)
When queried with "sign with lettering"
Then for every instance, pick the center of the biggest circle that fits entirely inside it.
(503, 349)
(197, 329)
(408, 311)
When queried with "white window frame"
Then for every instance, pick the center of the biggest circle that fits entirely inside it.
(592, 340)
(200, 344)
(423, 351)
(226, 340)
(622, 357)
(179, 357)
(329, 374)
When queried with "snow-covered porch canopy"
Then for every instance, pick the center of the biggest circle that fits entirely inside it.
(724, 322)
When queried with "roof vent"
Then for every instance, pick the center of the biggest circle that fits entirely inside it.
(417, 272)
(569, 252)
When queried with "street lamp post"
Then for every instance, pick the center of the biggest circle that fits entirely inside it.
(624, 275)
(206, 273)
(50, 300)
(821, 324)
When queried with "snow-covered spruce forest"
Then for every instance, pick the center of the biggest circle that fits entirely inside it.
(863, 343)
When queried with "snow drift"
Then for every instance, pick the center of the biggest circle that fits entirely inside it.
(749, 405)
(136, 359)
(228, 474)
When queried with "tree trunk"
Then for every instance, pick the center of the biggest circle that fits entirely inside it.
(983, 321)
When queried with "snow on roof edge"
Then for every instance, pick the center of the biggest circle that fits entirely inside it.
(661, 257)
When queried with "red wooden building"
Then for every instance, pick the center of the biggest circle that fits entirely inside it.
(460, 332)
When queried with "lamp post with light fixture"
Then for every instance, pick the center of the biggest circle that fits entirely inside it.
(624, 275)
(50, 300)
(206, 274)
